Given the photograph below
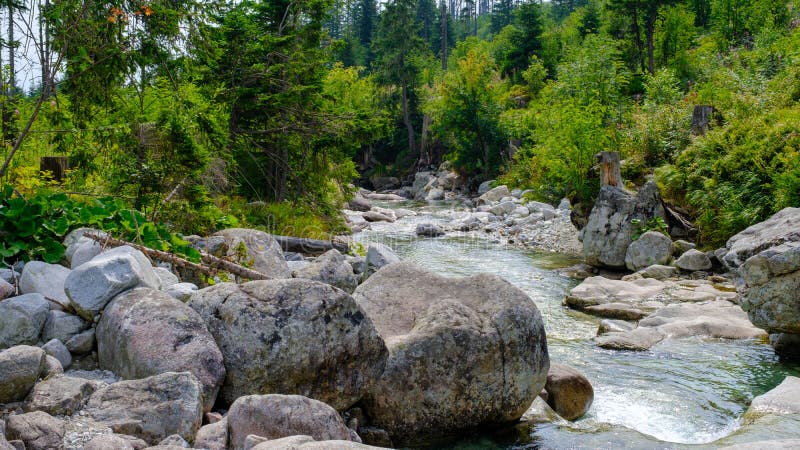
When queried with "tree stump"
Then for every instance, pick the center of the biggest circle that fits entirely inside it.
(56, 165)
(701, 119)
(610, 174)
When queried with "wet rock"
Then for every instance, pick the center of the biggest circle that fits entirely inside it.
(783, 399)
(22, 319)
(46, 279)
(330, 268)
(651, 248)
(60, 395)
(599, 291)
(20, 367)
(145, 332)
(374, 216)
(359, 204)
(429, 230)
(609, 230)
(451, 341)
(261, 251)
(613, 326)
(622, 311)
(59, 351)
(277, 416)
(93, 284)
(151, 408)
(569, 392)
(292, 336)
(777, 444)
(693, 260)
(786, 345)
(38, 430)
(640, 339)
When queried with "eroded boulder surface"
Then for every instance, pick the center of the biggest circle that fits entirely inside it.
(277, 416)
(145, 332)
(60, 395)
(609, 230)
(150, 408)
(37, 430)
(651, 248)
(569, 392)
(292, 337)
(463, 351)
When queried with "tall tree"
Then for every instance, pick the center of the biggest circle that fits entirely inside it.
(398, 50)
(526, 39)
(645, 13)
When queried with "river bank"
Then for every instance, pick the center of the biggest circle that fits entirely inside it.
(681, 393)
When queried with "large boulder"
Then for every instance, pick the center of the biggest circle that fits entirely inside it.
(330, 268)
(144, 332)
(259, 250)
(783, 399)
(20, 367)
(22, 319)
(609, 230)
(213, 436)
(651, 248)
(292, 337)
(494, 195)
(151, 408)
(37, 430)
(301, 442)
(277, 416)
(93, 284)
(60, 395)
(82, 250)
(462, 351)
(46, 279)
(767, 257)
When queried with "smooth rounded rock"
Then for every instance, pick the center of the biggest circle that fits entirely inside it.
(463, 352)
(693, 260)
(570, 393)
(330, 268)
(20, 367)
(22, 319)
(651, 248)
(38, 430)
(46, 279)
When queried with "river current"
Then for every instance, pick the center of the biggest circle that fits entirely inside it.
(683, 393)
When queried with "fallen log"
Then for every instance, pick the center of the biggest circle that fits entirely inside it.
(210, 267)
(309, 246)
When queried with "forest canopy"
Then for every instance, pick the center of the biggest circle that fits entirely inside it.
(209, 114)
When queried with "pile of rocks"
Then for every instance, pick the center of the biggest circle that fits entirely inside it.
(291, 362)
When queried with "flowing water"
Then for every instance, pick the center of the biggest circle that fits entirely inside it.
(683, 393)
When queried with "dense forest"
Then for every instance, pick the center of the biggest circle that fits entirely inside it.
(204, 114)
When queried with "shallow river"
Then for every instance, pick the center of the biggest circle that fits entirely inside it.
(683, 393)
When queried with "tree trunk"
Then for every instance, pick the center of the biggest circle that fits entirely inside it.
(610, 174)
(701, 119)
(56, 165)
(412, 143)
(12, 76)
(650, 31)
(638, 37)
(444, 36)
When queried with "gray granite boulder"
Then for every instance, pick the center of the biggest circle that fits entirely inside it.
(278, 416)
(20, 367)
(46, 279)
(462, 351)
(609, 229)
(292, 337)
(330, 268)
(145, 332)
(261, 252)
(93, 284)
(22, 319)
(693, 260)
(150, 408)
(62, 326)
(60, 395)
(651, 248)
(38, 430)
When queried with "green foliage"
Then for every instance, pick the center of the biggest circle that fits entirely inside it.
(34, 227)
(655, 224)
